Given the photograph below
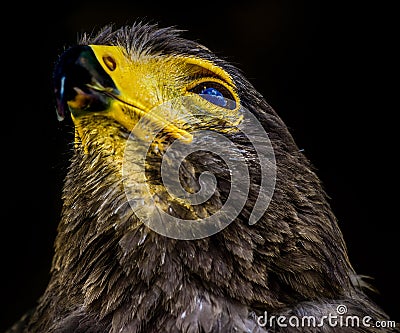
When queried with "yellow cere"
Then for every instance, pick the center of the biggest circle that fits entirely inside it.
(145, 82)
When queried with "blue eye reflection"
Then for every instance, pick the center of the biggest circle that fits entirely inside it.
(214, 96)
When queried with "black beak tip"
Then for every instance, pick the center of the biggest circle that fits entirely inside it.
(64, 67)
(76, 70)
(60, 110)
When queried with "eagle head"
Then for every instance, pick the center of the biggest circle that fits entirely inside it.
(187, 206)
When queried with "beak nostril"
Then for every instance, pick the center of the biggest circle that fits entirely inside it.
(110, 63)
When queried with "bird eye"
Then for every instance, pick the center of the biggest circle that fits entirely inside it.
(215, 93)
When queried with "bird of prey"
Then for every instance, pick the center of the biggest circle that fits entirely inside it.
(133, 93)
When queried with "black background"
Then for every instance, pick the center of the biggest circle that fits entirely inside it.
(326, 67)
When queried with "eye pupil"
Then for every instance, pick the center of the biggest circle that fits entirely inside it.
(215, 93)
(214, 96)
(211, 91)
